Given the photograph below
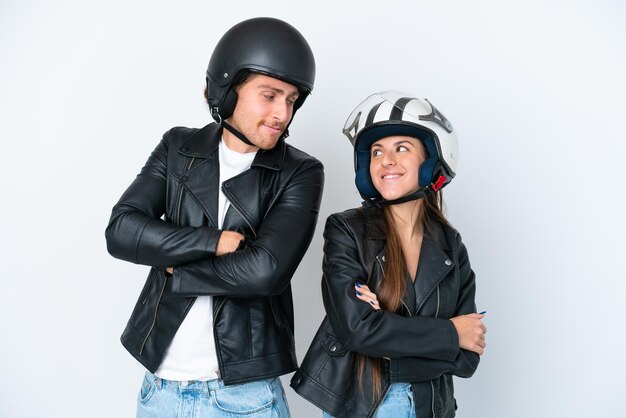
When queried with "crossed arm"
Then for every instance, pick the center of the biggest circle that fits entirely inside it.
(434, 346)
(204, 258)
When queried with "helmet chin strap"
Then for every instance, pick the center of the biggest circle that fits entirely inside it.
(418, 194)
(238, 134)
(423, 192)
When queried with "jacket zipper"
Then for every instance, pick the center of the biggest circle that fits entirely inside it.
(380, 401)
(382, 398)
(156, 309)
(432, 404)
(180, 195)
(432, 386)
(383, 272)
(239, 212)
(220, 372)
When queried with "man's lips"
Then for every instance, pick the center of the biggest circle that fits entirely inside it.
(275, 128)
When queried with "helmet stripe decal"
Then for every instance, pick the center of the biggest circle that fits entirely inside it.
(437, 117)
(371, 115)
(398, 108)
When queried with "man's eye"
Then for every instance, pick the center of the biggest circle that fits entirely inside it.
(268, 96)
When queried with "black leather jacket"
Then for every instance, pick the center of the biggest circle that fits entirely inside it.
(420, 347)
(274, 204)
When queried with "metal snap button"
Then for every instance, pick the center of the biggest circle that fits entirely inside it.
(448, 262)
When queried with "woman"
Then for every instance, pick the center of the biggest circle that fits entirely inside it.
(397, 285)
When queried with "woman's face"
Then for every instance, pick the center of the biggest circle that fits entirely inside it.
(394, 165)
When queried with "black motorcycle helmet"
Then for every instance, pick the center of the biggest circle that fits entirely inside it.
(260, 45)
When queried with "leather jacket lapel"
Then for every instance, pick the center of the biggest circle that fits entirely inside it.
(201, 178)
(433, 266)
(434, 263)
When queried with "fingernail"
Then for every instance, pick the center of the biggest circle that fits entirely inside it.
(482, 313)
(357, 293)
(358, 284)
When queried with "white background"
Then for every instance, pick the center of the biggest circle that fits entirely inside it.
(535, 90)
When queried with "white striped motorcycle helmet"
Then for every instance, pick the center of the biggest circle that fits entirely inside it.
(393, 113)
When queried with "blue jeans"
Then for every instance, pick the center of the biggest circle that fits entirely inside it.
(398, 403)
(160, 398)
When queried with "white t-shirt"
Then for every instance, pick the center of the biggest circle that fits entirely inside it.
(191, 354)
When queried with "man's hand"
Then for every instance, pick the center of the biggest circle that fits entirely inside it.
(228, 242)
(471, 332)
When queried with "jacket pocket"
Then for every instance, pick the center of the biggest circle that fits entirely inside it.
(333, 346)
(326, 375)
(329, 364)
(278, 318)
(145, 308)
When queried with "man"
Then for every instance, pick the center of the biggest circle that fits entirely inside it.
(214, 322)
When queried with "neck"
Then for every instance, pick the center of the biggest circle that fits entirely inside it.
(407, 217)
(234, 143)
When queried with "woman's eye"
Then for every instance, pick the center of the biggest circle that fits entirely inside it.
(376, 153)
(401, 148)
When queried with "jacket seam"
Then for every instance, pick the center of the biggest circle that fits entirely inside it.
(138, 242)
(319, 385)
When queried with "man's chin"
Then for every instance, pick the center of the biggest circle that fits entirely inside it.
(268, 144)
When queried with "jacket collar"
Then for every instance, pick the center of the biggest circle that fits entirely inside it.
(375, 228)
(434, 261)
(205, 142)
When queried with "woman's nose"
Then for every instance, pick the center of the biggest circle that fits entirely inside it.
(389, 159)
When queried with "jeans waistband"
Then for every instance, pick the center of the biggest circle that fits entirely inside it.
(196, 385)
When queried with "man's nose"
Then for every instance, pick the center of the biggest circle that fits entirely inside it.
(281, 111)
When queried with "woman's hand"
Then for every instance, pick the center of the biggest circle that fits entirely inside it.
(471, 332)
(366, 295)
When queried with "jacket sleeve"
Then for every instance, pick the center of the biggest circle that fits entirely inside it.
(376, 333)
(266, 264)
(465, 362)
(136, 232)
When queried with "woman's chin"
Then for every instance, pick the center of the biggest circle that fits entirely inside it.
(391, 196)
(395, 194)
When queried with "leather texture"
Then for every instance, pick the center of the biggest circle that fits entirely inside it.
(419, 347)
(168, 217)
